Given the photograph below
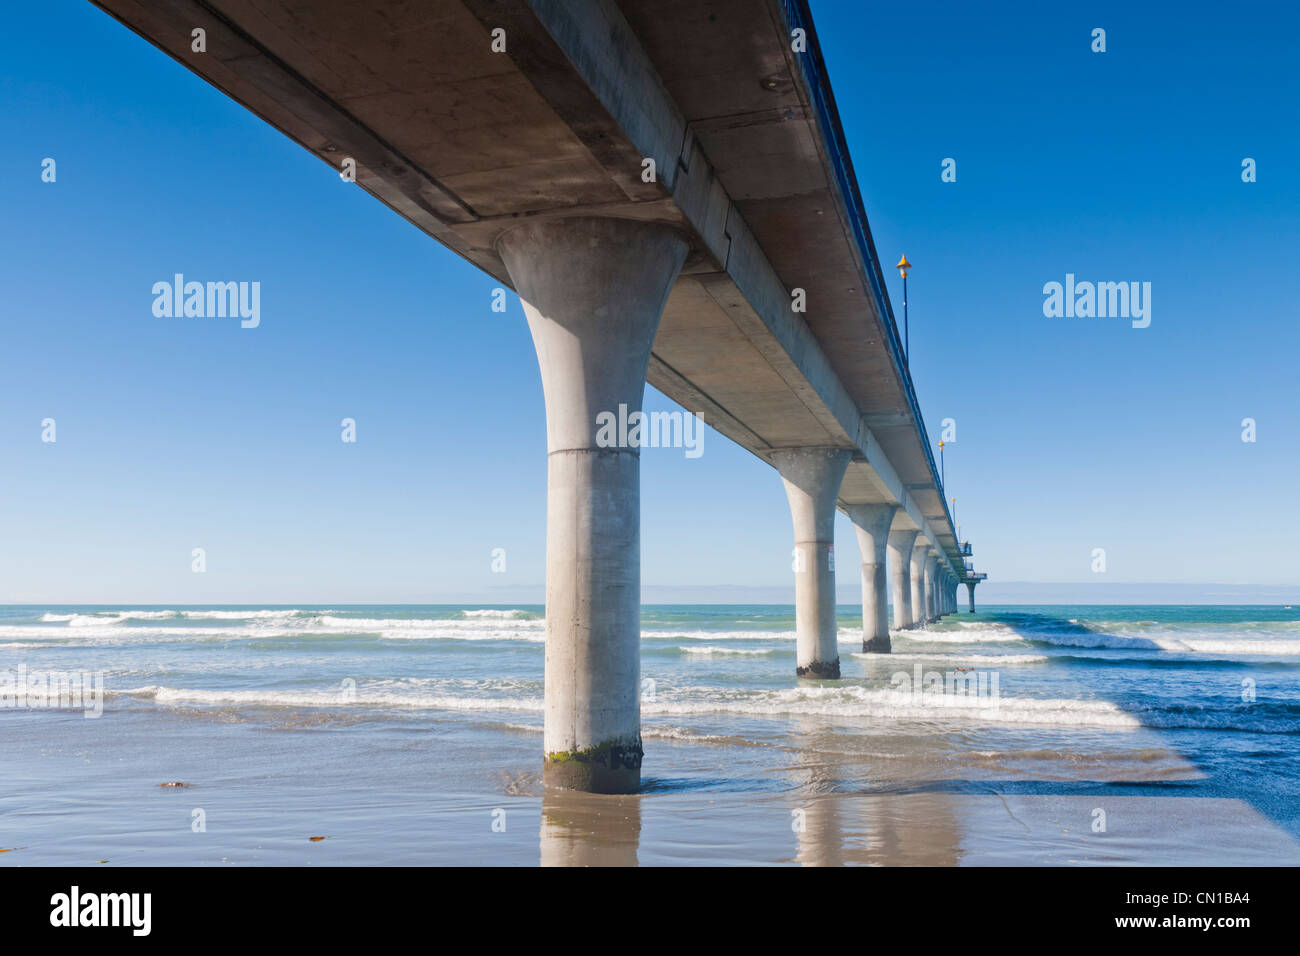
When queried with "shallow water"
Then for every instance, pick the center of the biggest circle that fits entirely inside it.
(413, 735)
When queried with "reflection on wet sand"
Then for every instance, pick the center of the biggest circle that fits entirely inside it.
(836, 824)
(581, 829)
(887, 829)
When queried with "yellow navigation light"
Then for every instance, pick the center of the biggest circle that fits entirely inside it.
(903, 266)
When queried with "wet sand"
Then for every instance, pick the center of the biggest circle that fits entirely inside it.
(266, 783)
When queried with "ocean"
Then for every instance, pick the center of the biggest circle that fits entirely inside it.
(412, 735)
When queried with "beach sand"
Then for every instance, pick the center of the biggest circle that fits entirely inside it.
(267, 783)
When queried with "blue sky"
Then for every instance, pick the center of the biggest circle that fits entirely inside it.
(1072, 434)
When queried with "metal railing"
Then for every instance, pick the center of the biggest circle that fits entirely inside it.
(816, 80)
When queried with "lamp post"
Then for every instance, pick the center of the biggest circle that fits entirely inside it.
(903, 266)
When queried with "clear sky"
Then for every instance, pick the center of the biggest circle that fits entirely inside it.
(1072, 433)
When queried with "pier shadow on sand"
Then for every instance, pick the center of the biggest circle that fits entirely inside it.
(1244, 782)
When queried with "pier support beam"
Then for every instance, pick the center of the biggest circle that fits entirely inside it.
(970, 587)
(812, 479)
(932, 586)
(872, 525)
(920, 551)
(900, 560)
(593, 291)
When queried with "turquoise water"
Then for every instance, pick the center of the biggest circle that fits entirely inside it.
(294, 713)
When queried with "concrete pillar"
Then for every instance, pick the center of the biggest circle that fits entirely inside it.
(920, 552)
(900, 559)
(932, 586)
(871, 522)
(927, 588)
(970, 587)
(593, 291)
(812, 479)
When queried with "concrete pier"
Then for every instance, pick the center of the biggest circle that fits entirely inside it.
(547, 195)
(812, 479)
(871, 522)
(900, 560)
(920, 552)
(931, 586)
(593, 290)
(970, 588)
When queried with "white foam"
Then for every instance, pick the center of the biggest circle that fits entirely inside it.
(116, 635)
(498, 614)
(101, 618)
(524, 728)
(235, 615)
(708, 651)
(93, 620)
(333, 698)
(1280, 648)
(1166, 642)
(660, 633)
(843, 704)
(669, 732)
(984, 659)
(982, 633)
(854, 703)
(468, 629)
(277, 624)
(845, 635)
